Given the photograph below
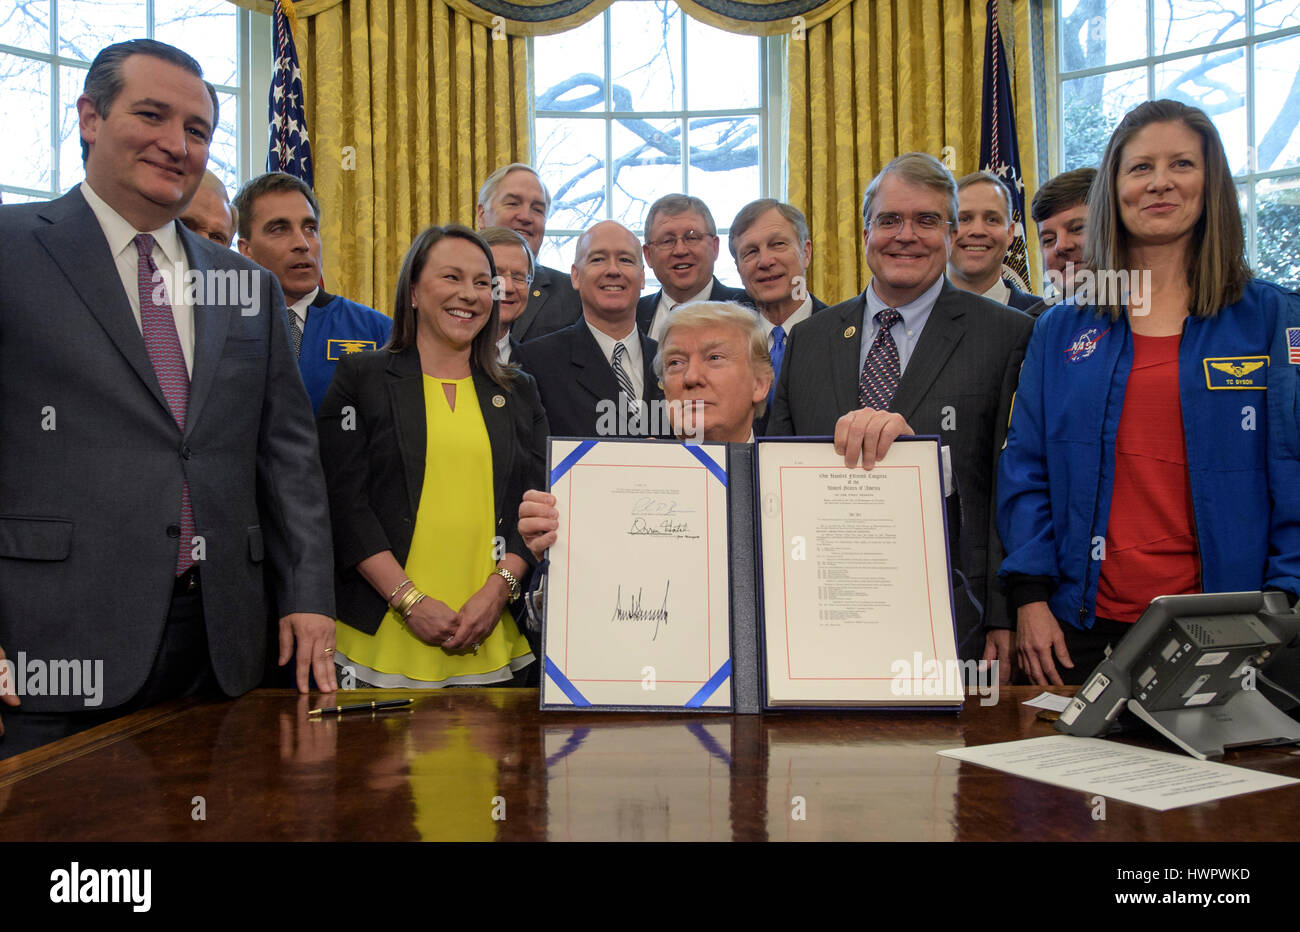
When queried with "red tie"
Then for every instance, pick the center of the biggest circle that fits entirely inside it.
(164, 348)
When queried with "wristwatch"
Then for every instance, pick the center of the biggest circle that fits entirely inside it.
(511, 581)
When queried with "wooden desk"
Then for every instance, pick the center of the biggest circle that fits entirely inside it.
(260, 770)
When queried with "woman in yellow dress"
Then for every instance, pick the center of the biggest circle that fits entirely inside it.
(428, 445)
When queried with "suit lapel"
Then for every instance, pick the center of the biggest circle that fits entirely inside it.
(76, 243)
(406, 395)
(493, 401)
(540, 294)
(645, 311)
(210, 326)
(844, 353)
(651, 388)
(594, 372)
(940, 336)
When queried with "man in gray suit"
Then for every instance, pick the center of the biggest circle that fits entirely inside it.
(158, 471)
(514, 197)
(913, 354)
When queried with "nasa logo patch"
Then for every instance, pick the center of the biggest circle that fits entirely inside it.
(1084, 343)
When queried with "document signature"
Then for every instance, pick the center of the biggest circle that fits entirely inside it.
(648, 505)
(665, 528)
(634, 611)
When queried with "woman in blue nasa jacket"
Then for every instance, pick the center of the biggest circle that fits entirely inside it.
(1163, 206)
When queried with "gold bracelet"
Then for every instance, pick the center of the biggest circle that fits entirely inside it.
(400, 586)
(511, 581)
(418, 599)
(407, 602)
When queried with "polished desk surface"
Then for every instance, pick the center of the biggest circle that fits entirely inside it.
(486, 764)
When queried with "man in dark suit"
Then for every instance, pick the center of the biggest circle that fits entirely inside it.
(596, 376)
(515, 271)
(984, 232)
(914, 354)
(515, 197)
(681, 246)
(159, 452)
(770, 243)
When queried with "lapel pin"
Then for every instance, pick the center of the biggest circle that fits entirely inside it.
(537, 293)
(498, 401)
(661, 384)
(849, 331)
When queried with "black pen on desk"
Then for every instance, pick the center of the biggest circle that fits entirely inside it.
(362, 707)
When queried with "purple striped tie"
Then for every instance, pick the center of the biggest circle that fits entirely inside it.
(881, 372)
(164, 348)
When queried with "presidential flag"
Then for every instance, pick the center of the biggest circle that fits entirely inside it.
(999, 150)
(290, 151)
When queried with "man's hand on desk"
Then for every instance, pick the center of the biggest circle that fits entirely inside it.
(314, 637)
(7, 694)
(1038, 634)
(997, 646)
(866, 434)
(539, 522)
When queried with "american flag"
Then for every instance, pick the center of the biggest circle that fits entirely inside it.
(290, 150)
(1293, 345)
(999, 150)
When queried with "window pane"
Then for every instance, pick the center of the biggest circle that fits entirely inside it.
(1276, 14)
(26, 25)
(567, 69)
(1190, 24)
(1117, 33)
(86, 26)
(557, 252)
(723, 69)
(25, 116)
(1277, 104)
(12, 197)
(1092, 108)
(204, 28)
(570, 159)
(647, 165)
(1216, 83)
(724, 164)
(71, 169)
(1277, 231)
(223, 154)
(646, 55)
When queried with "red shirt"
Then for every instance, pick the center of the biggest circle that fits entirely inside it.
(1151, 533)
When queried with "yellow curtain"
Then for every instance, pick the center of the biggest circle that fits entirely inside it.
(878, 78)
(410, 106)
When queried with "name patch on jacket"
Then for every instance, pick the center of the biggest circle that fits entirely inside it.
(337, 349)
(1236, 372)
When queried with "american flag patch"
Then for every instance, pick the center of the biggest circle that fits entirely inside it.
(1293, 345)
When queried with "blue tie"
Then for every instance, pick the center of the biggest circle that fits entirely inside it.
(776, 353)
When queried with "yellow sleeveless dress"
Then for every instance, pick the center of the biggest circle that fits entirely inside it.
(451, 558)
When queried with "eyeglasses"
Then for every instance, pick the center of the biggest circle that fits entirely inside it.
(923, 223)
(520, 279)
(690, 239)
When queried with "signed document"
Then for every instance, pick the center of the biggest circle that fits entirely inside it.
(856, 591)
(637, 608)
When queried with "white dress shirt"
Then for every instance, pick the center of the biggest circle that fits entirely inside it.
(803, 312)
(633, 362)
(999, 292)
(299, 307)
(168, 256)
(666, 305)
(503, 349)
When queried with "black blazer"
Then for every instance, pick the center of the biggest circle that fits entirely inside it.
(958, 385)
(760, 423)
(573, 377)
(374, 464)
(646, 306)
(1020, 300)
(553, 304)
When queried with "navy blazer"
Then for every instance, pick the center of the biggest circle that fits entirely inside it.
(574, 377)
(374, 464)
(647, 305)
(1020, 300)
(552, 305)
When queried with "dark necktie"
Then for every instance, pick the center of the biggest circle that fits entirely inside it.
(880, 371)
(624, 380)
(295, 333)
(163, 345)
(776, 354)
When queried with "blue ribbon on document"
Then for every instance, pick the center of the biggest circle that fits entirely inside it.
(562, 681)
(709, 688)
(567, 463)
(709, 462)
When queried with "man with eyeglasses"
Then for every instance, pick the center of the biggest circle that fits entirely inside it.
(515, 270)
(913, 354)
(681, 246)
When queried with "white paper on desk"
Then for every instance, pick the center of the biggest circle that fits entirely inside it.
(1154, 779)
(637, 605)
(1049, 701)
(857, 597)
